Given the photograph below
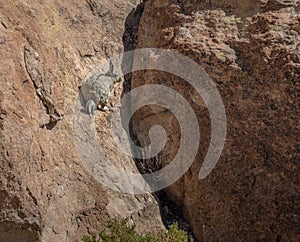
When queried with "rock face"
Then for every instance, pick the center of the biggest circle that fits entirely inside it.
(47, 49)
(250, 48)
(251, 51)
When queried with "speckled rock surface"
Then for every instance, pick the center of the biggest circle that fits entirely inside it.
(47, 49)
(251, 50)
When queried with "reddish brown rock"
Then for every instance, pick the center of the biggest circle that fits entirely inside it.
(47, 49)
(251, 50)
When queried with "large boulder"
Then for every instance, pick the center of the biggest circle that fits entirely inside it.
(250, 49)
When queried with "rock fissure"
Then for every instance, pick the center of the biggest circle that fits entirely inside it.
(36, 73)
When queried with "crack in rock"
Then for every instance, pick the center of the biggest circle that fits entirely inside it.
(2, 23)
(42, 85)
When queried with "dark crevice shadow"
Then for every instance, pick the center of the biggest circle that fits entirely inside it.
(170, 213)
(130, 41)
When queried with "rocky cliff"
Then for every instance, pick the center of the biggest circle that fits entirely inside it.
(47, 49)
(251, 51)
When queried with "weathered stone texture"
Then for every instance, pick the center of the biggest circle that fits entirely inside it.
(251, 50)
(47, 49)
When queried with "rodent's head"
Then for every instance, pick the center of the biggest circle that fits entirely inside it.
(104, 98)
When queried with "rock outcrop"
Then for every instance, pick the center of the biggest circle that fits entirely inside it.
(250, 48)
(47, 49)
(251, 51)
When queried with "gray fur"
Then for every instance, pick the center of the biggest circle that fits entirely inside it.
(96, 89)
(91, 107)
